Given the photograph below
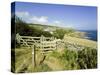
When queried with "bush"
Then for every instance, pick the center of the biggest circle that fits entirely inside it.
(71, 59)
(25, 30)
(87, 58)
(83, 59)
(59, 33)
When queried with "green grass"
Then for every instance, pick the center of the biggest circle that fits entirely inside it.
(23, 61)
(55, 61)
(72, 60)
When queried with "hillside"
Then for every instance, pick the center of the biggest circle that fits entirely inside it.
(57, 31)
(42, 26)
(77, 52)
(80, 41)
(55, 61)
(63, 59)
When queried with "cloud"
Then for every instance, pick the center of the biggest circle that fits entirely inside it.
(69, 26)
(22, 14)
(27, 17)
(57, 22)
(41, 19)
(32, 19)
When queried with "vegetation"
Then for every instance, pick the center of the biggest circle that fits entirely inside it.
(87, 58)
(81, 41)
(71, 60)
(37, 29)
(56, 60)
(24, 29)
(59, 33)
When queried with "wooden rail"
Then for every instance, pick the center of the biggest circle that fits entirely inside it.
(42, 43)
(46, 44)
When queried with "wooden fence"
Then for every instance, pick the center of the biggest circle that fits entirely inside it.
(48, 44)
(41, 43)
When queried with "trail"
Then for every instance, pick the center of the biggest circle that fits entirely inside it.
(54, 64)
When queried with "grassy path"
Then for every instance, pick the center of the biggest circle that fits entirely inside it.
(23, 59)
(54, 64)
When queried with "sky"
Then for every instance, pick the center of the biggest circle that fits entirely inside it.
(77, 17)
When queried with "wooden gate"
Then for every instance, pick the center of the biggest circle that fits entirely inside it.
(41, 43)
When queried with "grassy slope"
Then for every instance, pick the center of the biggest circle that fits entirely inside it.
(52, 62)
(80, 41)
(23, 61)
(42, 27)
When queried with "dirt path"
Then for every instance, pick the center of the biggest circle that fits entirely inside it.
(54, 64)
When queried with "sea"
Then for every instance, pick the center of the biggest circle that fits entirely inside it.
(91, 34)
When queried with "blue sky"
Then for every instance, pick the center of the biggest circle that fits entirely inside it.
(78, 17)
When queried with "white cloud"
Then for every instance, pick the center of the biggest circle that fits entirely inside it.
(41, 19)
(27, 17)
(57, 22)
(32, 19)
(69, 26)
(22, 14)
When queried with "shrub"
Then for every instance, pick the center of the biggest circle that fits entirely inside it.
(59, 33)
(87, 58)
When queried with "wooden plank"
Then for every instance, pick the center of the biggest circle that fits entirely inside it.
(27, 37)
(45, 43)
(48, 49)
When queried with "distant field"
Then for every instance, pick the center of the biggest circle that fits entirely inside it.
(79, 41)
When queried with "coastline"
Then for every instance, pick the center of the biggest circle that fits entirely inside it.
(90, 34)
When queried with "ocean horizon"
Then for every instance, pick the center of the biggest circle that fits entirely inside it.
(91, 34)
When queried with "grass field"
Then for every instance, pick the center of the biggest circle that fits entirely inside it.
(80, 41)
(57, 60)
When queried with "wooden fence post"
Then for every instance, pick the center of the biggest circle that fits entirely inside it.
(42, 39)
(34, 55)
(18, 37)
